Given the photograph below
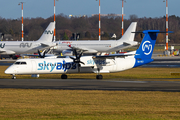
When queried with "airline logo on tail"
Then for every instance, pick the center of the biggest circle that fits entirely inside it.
(48, 32)
(2, 45)
(147, 47)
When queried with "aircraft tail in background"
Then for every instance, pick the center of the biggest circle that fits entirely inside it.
(128, 35)
(48, 33)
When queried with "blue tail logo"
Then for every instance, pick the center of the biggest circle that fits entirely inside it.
(147, 47)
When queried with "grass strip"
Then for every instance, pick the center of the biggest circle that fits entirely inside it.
(89, 105)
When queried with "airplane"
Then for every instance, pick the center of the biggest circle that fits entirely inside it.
(88, 64)
(23, 47)
(94, 46)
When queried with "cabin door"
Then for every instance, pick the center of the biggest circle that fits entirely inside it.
(34, 67)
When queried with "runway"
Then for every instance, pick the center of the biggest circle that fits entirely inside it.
(91, 84)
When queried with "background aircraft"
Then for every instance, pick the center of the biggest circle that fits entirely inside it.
(23, 47)
(94, 46)
(88, 64)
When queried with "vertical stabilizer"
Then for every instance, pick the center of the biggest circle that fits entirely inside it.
(145, 50)
(48, 33)
(128, 35)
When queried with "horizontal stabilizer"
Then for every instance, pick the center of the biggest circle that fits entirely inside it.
(6, 52)
(130, 43)
(49, 44)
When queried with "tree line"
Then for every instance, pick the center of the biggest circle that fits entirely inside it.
(88, 27)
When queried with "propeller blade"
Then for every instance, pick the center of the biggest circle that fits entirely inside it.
(72, 58)
(79, 68)
(80, 55)
(75, 52)
(73, 66)
(82, 63)
(39, 54)
(44, 54)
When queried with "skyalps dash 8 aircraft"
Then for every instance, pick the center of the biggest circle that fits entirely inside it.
(23, 47)
(88, 64)
(94, 46)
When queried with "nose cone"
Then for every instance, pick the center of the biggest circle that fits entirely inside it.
(8, 71)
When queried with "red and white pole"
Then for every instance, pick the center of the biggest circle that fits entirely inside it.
(54, 23)
(22, 23)
(166, 24)
(122, 17)
(99, 21)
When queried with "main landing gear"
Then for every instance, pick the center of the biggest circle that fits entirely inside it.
(13, 76)
(98, 76)
(63, 76)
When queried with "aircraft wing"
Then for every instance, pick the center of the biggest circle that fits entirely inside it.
(81, 49)
(2, 51)
(36, 55)
(116, 55)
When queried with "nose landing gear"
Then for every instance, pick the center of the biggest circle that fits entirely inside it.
(13, 76)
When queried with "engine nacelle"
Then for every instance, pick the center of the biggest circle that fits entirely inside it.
(67, 53)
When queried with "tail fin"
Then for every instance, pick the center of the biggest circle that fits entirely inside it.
(145, 50)
(128, 35)
(48, 33)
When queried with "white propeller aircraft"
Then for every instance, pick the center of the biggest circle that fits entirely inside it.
(88, 64)
(23, 47)
(94, 46)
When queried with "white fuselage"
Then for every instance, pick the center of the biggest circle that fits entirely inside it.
(94, 46)
(65, 65)
(19, 47)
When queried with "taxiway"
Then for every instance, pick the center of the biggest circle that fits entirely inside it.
(85, 84)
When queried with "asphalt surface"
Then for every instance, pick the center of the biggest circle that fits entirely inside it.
(84, 84)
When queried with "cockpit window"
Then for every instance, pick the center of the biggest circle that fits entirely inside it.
(20, 63)
(17, 63)
(23, 63)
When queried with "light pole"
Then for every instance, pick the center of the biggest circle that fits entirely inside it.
(123, 16)
(166, 24)
(99, 20)
(21, 3)
(54, 21)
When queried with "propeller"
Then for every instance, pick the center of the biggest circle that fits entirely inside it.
(44, 53)
(76, 60)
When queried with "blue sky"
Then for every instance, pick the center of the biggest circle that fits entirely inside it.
(45, 8)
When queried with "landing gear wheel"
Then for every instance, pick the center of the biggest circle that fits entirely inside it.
(99, 77)
(63, 76)
(13, 77)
